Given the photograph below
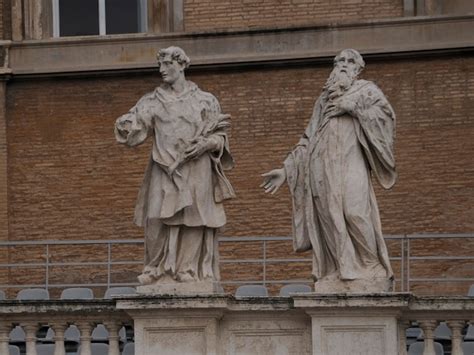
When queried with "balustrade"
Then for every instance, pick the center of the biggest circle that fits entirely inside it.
(454, 314)
(33, 316)
(444, 322)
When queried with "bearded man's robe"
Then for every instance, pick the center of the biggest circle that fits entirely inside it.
(329, 175)
(180, 211)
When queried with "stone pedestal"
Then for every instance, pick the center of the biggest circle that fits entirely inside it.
(302, 324)
(364, 324)
(170, 325)
(198, 325)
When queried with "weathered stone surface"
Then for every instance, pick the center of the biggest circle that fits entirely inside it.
(180, 203)
(381, 37)
(302, 324)
(311, 323)
(181, 288)
(349, 139)
(217, 325)
(365, 323)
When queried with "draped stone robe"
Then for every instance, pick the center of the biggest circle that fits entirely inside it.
(180, 211)
(329, 175)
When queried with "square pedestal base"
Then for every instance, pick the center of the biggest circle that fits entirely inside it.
(303, 324)
(356, 324)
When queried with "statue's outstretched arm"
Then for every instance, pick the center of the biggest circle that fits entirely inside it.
(135, 126)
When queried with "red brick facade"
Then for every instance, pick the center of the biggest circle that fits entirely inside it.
(2, 23)
(216, 14)
(63, 176)
(68, 179)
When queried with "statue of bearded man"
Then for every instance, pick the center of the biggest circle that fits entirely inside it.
(180, 203)
(348, 139)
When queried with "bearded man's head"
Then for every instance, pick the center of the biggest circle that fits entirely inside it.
(347, 66)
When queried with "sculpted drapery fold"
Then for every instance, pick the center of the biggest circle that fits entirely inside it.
(180, 202)
(174, 121)
(326, 168)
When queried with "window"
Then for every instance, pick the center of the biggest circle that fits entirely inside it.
(98, 17)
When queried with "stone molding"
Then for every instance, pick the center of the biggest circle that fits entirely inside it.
(381, 38)
(221, 324)
(314, 323)
(48, 307)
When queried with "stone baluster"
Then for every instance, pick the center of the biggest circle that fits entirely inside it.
(30, 329)
(113, 327)
(85, 328)
(59, 329)
(428, 327)
(5, 329)
(456, 337)
(403, 325)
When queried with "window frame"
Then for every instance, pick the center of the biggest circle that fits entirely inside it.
(102, 19)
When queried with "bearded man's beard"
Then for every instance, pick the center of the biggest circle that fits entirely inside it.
(338, 83)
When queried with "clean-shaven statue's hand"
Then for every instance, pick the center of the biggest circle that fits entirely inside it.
(273, 180)
(124, 125)
(199, 147)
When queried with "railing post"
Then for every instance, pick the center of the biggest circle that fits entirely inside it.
(30, 329)
(85, 328)
(109, 260)
(402, 264)
(456, 337)
(264, 262)
(113, 328)
(407, 289)
(59, 329)
(402, 341)
(5, 329)
(47, 267)
(428, 327)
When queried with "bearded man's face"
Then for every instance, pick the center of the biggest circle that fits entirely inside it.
(346, 64)
(343, 75)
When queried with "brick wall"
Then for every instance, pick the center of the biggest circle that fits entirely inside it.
(7, 19)
(229, 14)
(2, 32)
(3, 167)
(68, 179)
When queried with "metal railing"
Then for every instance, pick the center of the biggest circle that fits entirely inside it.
(406, 257)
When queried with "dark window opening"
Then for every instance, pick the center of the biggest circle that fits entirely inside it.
(122, 16)
(78, 17)
(99, 17)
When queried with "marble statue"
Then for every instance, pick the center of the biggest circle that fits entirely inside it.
(180, 202)
(349, 139)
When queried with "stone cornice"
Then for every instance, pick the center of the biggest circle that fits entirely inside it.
(56, 306)
(381, 38)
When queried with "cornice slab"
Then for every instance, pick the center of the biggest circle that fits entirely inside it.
(132, 52)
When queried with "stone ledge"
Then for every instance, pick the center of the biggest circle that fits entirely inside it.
(404, 301)
(137, 52)
(308, 323)
(344, 300)
(56, 306)
(224, 302)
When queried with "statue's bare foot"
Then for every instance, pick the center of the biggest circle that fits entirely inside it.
(146, 279)
(185, 277)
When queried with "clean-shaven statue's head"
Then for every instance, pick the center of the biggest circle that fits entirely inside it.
(172, 62)
(348, 64)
